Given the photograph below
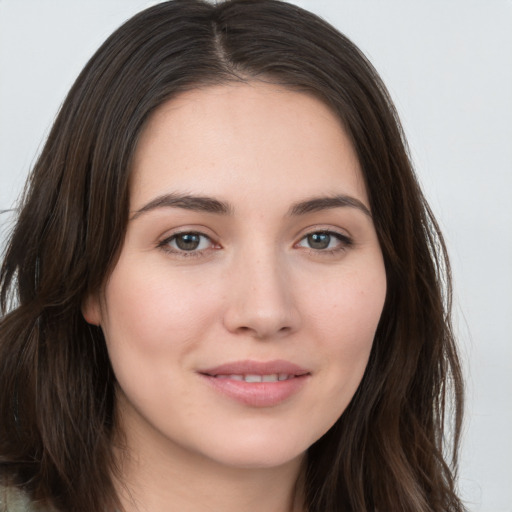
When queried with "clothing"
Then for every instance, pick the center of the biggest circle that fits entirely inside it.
(13, 500)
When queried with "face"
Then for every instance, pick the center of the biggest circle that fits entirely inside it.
(240, 316)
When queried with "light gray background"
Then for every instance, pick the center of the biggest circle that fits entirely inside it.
(448, 65)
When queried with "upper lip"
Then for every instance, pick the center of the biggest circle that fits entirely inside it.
(256, 368)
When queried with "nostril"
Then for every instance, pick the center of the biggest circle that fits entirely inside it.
(263, 332)
(261, 315)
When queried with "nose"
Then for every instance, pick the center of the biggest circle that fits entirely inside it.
(261, 303)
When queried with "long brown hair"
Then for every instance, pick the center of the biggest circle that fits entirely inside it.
(388, 450)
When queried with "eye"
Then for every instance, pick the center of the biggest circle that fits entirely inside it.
(189, 241)
(325, 241)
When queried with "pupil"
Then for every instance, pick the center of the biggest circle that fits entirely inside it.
(188, 241)
(319, 240)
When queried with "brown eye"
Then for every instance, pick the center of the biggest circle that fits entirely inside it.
(319, 240)
(325, 240)
(188, 242)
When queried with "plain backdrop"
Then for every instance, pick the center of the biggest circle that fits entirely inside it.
(448, 66)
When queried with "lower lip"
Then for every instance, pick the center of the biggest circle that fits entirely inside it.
(258, 394)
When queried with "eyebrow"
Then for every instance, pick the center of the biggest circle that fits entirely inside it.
(211, 205)
(317, 204)
(186, 202)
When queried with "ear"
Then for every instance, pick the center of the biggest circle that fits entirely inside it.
(91, 310)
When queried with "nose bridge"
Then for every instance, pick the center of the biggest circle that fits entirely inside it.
(261, 300)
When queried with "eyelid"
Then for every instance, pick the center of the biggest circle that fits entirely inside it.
(325, 228)
(164, 242)
(345, 240)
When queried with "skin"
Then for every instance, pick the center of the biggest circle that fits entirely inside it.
(254, 289)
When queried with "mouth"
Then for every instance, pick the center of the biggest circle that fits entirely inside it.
(257, 384)
(256, 371)
(272, 377)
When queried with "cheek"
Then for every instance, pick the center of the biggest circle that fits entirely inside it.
(345, 318)
(348, 306)
(150, 313)
(153, 323)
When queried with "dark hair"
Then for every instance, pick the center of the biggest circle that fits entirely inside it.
(388, 449)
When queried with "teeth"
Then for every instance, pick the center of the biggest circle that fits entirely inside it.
(253, 378)
(274, 377)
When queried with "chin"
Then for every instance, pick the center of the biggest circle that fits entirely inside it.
(259, 449)
(263, 458)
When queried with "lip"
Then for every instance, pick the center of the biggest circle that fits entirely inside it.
(257, 394)
(256, 367)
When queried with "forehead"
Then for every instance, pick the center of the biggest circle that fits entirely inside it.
(263, 138)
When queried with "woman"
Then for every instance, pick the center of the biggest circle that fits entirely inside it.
(224, 289)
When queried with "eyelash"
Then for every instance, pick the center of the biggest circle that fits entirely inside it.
(182, 253)
(345, 242)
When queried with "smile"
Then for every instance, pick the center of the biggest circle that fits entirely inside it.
(257, 384)
(273, 377)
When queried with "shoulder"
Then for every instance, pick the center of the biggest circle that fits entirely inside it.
(13, 500)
